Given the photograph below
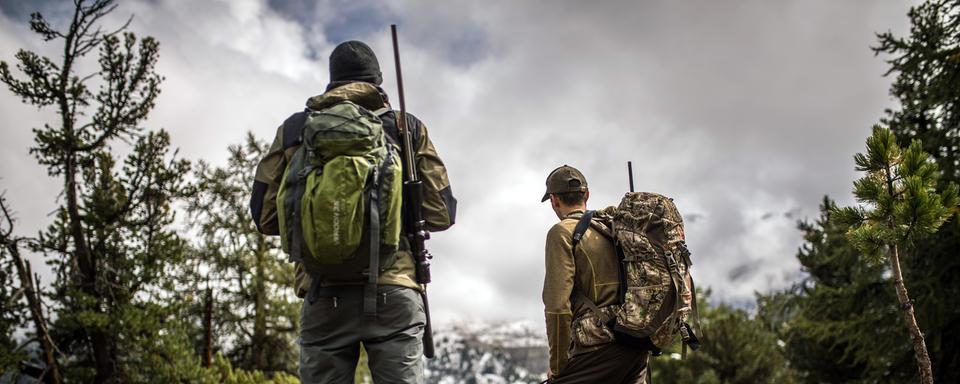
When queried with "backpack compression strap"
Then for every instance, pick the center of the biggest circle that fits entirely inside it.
(297, 241)
(373, 271)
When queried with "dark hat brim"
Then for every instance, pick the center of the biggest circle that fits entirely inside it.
(546, 196)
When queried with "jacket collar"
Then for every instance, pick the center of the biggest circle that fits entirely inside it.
(364, 94)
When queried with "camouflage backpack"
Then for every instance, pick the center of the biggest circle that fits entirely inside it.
(339, 202)
(656, 289)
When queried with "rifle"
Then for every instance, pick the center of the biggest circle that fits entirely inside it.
(413, 223)
(630, 174)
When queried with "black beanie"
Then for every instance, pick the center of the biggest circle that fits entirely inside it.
(354, 61)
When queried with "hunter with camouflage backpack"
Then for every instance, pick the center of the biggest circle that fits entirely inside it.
(330, 187)
(617, 285)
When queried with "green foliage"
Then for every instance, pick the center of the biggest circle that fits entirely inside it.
(736, 349)
(255, 314)
(900, 195)
(362, 376)
(111, 243)
(901, 205)
(927, 63)
(165, 354)
(840, 324)
(12, 313)
(124, 298)
(225, 373)
(131, 244)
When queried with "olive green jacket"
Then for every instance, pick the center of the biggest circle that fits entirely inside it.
(439, 205)
(594, 271)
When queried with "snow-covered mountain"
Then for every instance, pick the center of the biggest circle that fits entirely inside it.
(483, 353)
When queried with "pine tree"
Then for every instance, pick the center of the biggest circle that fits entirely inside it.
(15, 291)
(11, 315)
(839, 323)
(736, 348)
(926, 63)
(252, 311)
(842, 323)
(12, 307)
(111, 241)
(902, 205)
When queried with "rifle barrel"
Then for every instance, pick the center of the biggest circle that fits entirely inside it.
(402, 119)
(413, 203)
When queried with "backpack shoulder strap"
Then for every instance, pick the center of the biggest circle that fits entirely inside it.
(393, 130)
(581, 228)
(578, 232)
(293, 129)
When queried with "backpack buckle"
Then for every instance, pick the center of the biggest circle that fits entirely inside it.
(672, 261)
(307, 170)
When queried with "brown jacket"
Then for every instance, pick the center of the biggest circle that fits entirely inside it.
(594, 271)
(439, 205)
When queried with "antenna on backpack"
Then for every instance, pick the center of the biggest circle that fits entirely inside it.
(630, 174)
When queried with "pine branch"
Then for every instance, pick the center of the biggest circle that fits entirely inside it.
(28, 286)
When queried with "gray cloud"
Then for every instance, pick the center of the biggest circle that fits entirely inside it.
(735, 109)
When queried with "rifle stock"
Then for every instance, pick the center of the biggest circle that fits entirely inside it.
(414, 226)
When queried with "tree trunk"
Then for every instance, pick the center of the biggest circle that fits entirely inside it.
(906, 306)
(208, 328)
(84, 259)
(260, 315)
(36, 313)
(100, 339)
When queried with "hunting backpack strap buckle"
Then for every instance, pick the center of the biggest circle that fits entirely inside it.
(688, 336)
(671, 261)
(314, 293)
(305, 171)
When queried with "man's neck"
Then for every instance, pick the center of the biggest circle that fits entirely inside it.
(566, 211)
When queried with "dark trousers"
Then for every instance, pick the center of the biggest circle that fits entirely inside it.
(613, 364)
(333, 326)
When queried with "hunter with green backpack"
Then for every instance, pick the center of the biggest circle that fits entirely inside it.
(617, 286)
(331, 186)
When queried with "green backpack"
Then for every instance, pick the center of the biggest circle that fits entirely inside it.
(339, 203)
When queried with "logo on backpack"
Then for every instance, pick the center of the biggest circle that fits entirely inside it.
(656, 289)
(339, 203)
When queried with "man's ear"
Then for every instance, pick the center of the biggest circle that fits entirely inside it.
(554, 201)
(586, 196)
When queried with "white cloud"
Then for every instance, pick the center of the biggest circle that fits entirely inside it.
(29, 192)
(736, 110)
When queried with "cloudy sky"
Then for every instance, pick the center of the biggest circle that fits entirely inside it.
(747, 112)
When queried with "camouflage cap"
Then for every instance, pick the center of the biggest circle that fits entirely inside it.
(564, 179)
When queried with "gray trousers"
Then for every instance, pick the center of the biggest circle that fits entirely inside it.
(333, 326)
